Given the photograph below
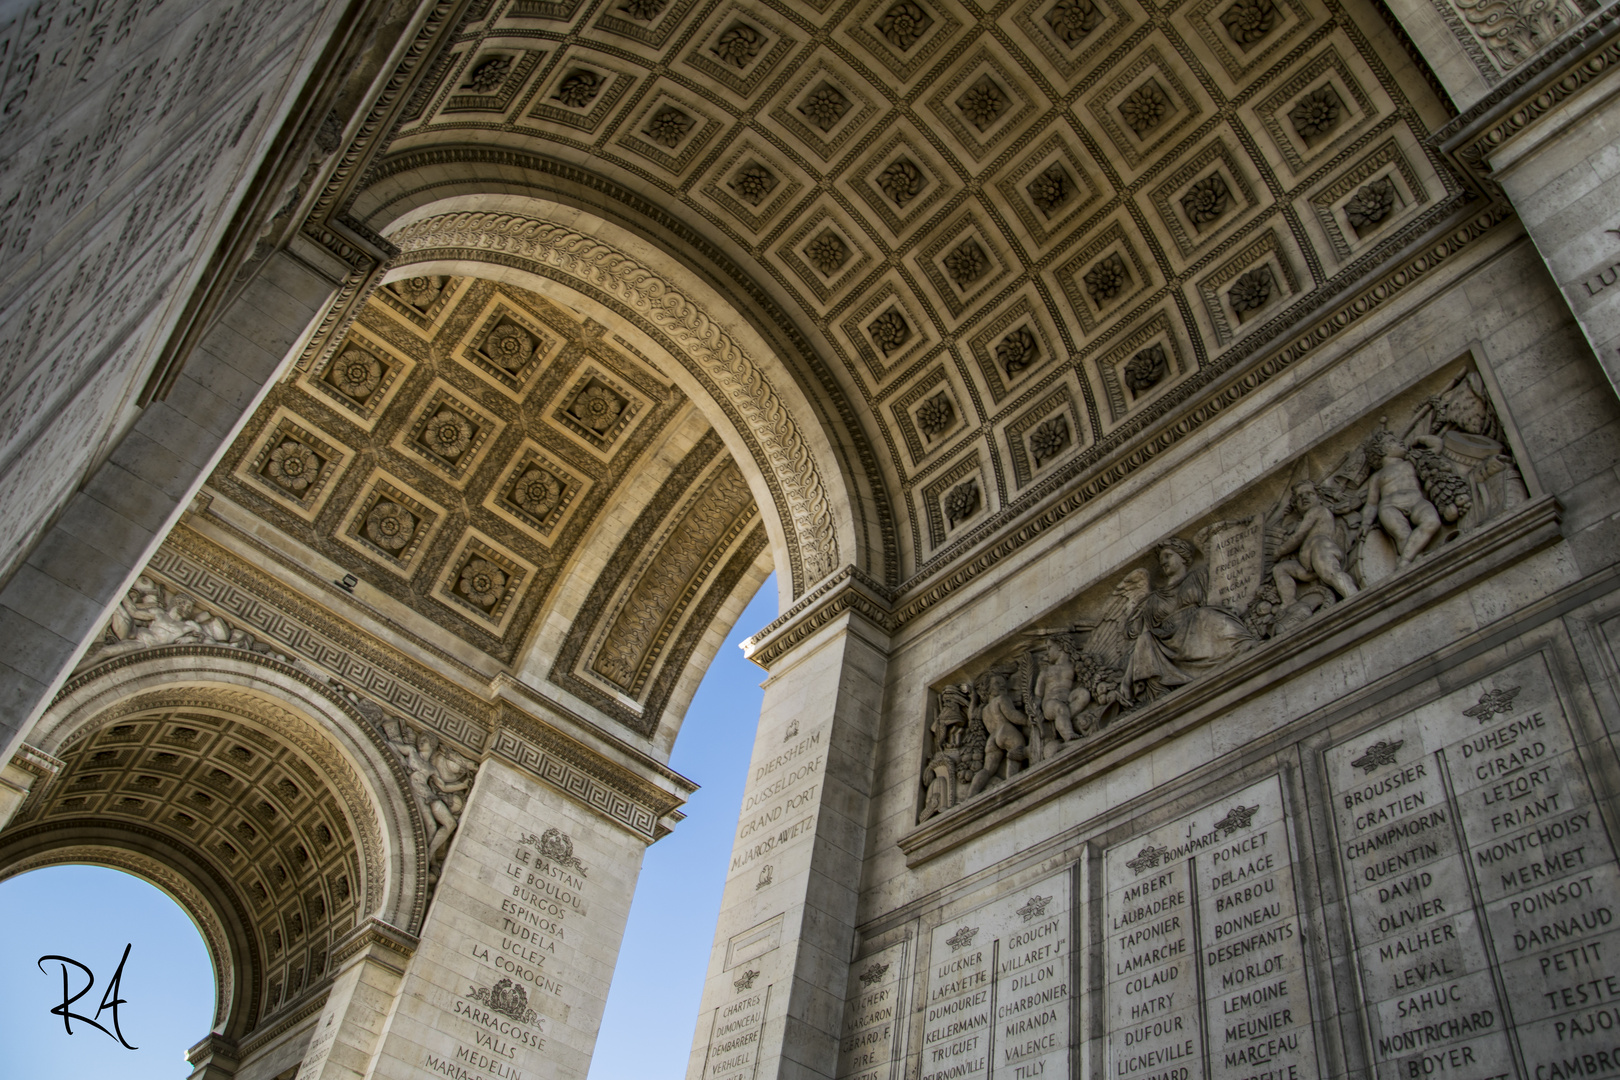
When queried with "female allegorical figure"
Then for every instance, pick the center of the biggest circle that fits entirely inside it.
(1176, 637)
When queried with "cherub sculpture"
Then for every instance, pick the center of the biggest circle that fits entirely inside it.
(1315, 547)
(1054, 688)
(1005, 724)
(1395, 499)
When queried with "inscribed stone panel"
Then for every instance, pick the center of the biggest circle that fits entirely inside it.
(1481, 879)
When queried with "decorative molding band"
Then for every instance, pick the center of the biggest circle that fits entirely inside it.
(385, 937)
(628, 800)
(1474, 148)
(366, 669)
(1373, 611)
(436, 29)
(587, 259)
(1568, 64)
(849, 590)
(311, 1004)
(620, 793)
(31, 759)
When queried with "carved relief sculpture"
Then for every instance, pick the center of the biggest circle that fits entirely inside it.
(151, 615)
(439, 778)
(1391, 500)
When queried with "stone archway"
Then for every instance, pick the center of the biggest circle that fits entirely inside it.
(249, 793)
(724, 364)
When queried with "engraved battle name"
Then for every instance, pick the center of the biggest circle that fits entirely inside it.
(1483, 886)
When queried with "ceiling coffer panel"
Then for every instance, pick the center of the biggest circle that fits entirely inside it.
(1118, 202)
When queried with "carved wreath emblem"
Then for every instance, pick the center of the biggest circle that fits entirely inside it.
(1237, 818)
(745, 981)
(1379, 753)
(962, 938)
(1035, 908)
(555, 846)
(1492, 702)
(1148, 858)
(506, 998)
(874, 971)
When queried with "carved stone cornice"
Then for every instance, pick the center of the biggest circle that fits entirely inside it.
(605, 271)
(31, 759)
(390, 946)
(1366, 615)
(310, 1003)
(848, 591)
(246, 245)
(1566, 69)
(615, 791)
(310, 631)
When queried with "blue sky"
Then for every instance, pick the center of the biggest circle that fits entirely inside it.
(90, 913)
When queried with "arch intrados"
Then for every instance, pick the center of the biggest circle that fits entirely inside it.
(686, 316)
(674, 369)
(289, 705)
(212, 906)
(404, 182)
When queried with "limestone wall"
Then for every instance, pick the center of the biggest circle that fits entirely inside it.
(129, 136)
(1379, 845)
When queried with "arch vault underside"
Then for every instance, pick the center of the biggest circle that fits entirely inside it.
(1177, 431)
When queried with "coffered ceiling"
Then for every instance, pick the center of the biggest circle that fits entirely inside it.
(1015, 236)
(481, 456)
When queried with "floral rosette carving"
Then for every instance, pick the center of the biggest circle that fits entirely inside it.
(390, 525)
(537, 492)
(597, 407)
(482, 582)
(448, 434)
(509, 346)
(356, 373)
(293, 466)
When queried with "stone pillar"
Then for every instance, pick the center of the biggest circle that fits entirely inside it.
(774, 998)
(370, 963)
(26, 767)
(60, 597)
(520, 939)
(1561, 170)
(1544, 127)
(215, 1058)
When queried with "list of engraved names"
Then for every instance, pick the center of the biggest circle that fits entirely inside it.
(1483, 888)
(1204, 969)
(998, 989)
